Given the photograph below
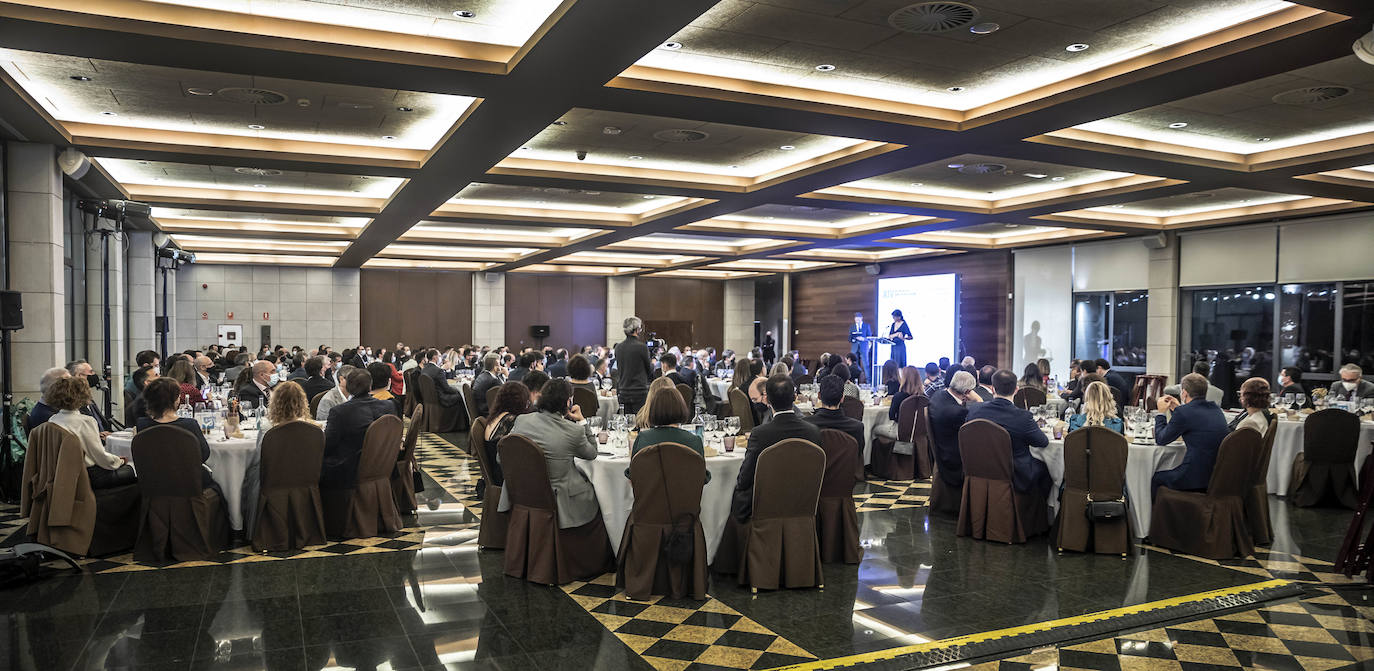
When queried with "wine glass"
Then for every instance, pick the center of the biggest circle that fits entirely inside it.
(732, 425)
(1289, 399)
(606, 383)
(594, 423)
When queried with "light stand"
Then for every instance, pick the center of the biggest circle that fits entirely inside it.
(168, 259)
(106, 230)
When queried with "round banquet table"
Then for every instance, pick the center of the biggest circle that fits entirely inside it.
(228, 462)
(873, 415)
(616, 498)
(606, 406)
(1288, 444)
(1142, 461)
(719, 388)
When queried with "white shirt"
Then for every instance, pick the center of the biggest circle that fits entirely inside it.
(85, 428)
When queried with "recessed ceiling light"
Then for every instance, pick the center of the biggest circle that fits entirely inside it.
(672, 46)
(918, 184)
(955, 89)
(984, 28)
(1036, 175)
(612, 130)
(464, 14)
(734, 167)
(787, 147)
(825, 67)
(650, 197)
(256, 126)
(388, 137)
(1077, 46)
(1179, 124)
(955, 166)
(592, 193)
(405, 109)
(259, 186)
(524, 148)
(1117, 207)
(145, 163)
(635, 158)
(197, 91)
(80, 78)
(560, 123)
(874, 214)
(1056, 179)
(1261, 139)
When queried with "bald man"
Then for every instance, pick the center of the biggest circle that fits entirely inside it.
(259, 388)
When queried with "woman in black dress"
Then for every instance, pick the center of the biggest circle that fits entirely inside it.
(899, 332)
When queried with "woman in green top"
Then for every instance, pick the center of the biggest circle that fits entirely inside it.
(666, 412)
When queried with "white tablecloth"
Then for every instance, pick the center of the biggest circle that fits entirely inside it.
(606, 406)
(1288, 444)
(720, 388)
(873, 416)
(1142, 461)
(228, 461)
(615, 496)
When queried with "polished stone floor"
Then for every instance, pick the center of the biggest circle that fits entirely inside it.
(435, 601)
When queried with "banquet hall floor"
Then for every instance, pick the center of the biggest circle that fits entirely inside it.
(433, 600)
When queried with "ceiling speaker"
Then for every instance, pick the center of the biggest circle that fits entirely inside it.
(73, 163)
(933, 17)
(874, 268)
(1156, 241)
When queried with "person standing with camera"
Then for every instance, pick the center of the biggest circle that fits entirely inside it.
(633, 366)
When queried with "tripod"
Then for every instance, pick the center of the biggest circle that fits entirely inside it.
(107, 370)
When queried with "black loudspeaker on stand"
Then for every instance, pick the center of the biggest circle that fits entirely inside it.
(11, 320)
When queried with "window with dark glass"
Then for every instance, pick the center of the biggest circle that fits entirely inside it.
(1232, 329)
(1357, 325)
(1307, 327)
(1111, 325)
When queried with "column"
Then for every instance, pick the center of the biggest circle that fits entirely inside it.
(36, 270)
(739, 315)
(488, 309)
(785, 336)
(1161, 332)
(620, 304)
(95, 246)
(169, 293)
(139, 271)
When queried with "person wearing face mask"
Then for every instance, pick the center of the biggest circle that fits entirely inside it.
(82, 369)
(1351, 386)
(1290, 382)
(259, 388)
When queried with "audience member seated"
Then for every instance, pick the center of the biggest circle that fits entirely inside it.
(892, 378)
(345, 428)
(935, 380)
(315, 382)
(381, 385)
(258, 390)
(67, 396)
(559, 367)
(856, 367)
(528, 361)
(535, 381)
(288, 404)
(1070, 385)
(798, 368)
(1030, 475)
(1290, 382)
(184, 374)
(580, 373)
(948, 411)
(337, 394)
(1254, 398)
(785, 424)
(1115, 381)
(910, 379)
(161, 397)
(241, 361)
(448, 396)
(1099, 409)
(949, 373)
(201, 369)
(488, 378)
(666, 412)
(841, 371)
(642, 417)
(43, 410)
(1351, 386)
(140, 380)
(667, 364)
(983, 390)
(512, 400)
(83, 370)
(145, 359)
(1201, 425)
(829, 415)
(557, 428)
(1031, 378)
(1214, 393)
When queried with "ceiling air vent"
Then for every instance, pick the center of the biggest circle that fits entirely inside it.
(983, 169)
(250, 96)
(680, 135)
(933, 17)
(1311, 95)
(258, 172)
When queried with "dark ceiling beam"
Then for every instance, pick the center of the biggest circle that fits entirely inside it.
(602, 37)
(1356, 8)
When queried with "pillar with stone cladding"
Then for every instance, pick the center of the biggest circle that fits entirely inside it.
(620, 305)
(35, 258)
(140, 272)
(739, 316)
(1161, 332)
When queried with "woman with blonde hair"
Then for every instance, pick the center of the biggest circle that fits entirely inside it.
(1099, 409)
(287, 404)
(642, 417)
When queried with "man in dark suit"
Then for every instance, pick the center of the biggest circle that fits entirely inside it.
(984, 388)
(632, 366)
(448, 396)
(1115, 381)
(948, 411)
(829, 415)
(315, 383)
(1201, 425)
(258, 390)
(1352, 386)
(345, 429)
(785, 424)
(1290, 382)
(488, 378)
(559, 367)
(668, 363)
(1029, 475)
(528, 361)
(858, 334)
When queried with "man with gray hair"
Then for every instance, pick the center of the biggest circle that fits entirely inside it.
(42, 412)
(948, 409)
(968, 363)
(336, 396)
(1351, 387)
(633, 366)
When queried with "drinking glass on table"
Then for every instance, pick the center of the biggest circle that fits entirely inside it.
(606, 383)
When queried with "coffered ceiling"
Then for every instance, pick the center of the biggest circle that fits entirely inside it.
(694, 138)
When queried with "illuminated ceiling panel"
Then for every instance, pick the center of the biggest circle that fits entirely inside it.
(216, 222)
(134, 174)
(1217, 206)
(500, 195)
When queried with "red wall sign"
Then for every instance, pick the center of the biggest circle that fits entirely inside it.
(231, 315)
(205, 315)
(264, 316)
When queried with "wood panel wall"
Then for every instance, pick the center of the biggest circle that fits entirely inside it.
(573, 306)
(824, 303)
(417, 307)
(682, 310)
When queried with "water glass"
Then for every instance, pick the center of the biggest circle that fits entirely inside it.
(732, 425)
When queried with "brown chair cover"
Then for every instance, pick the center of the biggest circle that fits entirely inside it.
(438, 419)
(491, 396)
(913, 427)
(687, 397)
(1326, 465)
(368, 509)
(1105, 481)
(667, 480)
(315, 402)
(179, 520)
(469, 403)
(412, 395)
(779, 546)
(1257, 497)
(491, 532)
(1211, 524)
(1148, 388)
(586, 400)
(837, 523)
(739, 407)
(63, 510)
(403, 473)
(944, 498)
(1027, 397)
(990, 508)
(806, 379)
(290, 513)
(852, 408)
(536, 549)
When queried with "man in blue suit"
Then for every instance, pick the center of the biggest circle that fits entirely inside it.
(1201, 425)
(857, 338)
(1029, 475)
(949, 409)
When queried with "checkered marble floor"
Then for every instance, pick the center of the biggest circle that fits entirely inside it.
(1330, 630)
(1268, 563)
(891, 495)
(676, 634)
